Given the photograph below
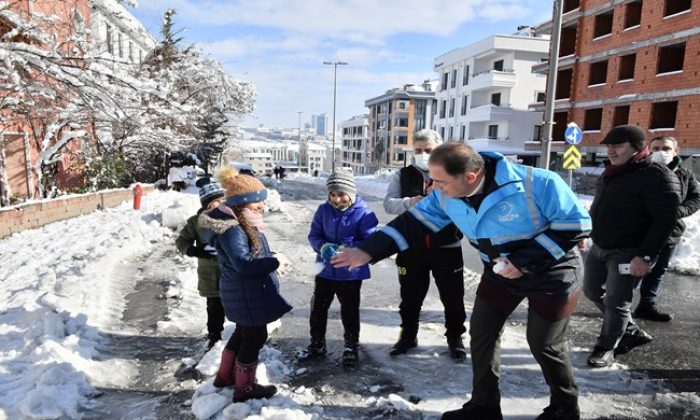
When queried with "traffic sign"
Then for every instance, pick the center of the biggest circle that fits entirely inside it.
(573, 133)
(572, 158)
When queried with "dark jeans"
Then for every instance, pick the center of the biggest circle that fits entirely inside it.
(546, 340)
(414, 267)
(348, 293)
(611, 292)
(246, 342)
(215, 318)
(652, 282)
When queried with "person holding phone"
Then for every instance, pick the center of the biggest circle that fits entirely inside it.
(634, 212)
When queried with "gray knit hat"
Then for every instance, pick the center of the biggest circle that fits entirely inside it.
(343, 181)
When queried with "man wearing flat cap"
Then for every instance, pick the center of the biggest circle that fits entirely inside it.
(633, 212)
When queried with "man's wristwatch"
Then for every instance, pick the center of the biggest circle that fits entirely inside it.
(647, 259)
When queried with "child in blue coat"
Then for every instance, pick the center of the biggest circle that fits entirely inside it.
(344, 220)
(249, 284)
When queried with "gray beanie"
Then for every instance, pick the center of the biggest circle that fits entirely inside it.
(343, 181)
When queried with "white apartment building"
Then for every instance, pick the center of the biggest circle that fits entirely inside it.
(354, 150)
(485, 88)
(117, 35)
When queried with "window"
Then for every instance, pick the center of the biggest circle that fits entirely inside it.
(539, 96)
(498, 65)
(671, 58)
(443, 85)
(564, 79)
(627, 67)
(452, 107)
(401, 139)
(465, 76)
(108, 39)
(454, 78)
(462, 132)
(496, 99)
(493, 132)
(401, 122)
(633, 14)
(663, 114)
(465, 99)
(672, 7)
(602, 24)
(561, 118)
(131, 52)
(442, 132)
(567, 45)
(451, 134)
(621, 115)
(570, 5)
(140, 56)
(598, 73)
(443, 106)
(537, 133)
(121, 49)
(592, 119)
(402, 105)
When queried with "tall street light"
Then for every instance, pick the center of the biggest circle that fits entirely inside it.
(335, 65)
(299, 141)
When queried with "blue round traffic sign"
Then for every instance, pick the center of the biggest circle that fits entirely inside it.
(573, 134)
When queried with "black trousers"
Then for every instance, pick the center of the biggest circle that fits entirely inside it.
(348, 293)
(447, 266)
(246, 342)
(215, 318)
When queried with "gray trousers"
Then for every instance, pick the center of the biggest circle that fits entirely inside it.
(611, 292)
(546, 340)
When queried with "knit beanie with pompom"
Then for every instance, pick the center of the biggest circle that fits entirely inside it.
(240, 189)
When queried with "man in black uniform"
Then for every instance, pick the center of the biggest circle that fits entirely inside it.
(407, 187)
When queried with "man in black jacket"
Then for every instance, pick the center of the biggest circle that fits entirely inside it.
(633, 212)
(665, 152)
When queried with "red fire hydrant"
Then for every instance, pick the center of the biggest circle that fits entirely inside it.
(138, 192)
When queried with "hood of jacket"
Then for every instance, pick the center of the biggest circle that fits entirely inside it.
(215, 222)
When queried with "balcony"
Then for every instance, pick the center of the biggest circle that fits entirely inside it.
(492, 78)
(489, 112)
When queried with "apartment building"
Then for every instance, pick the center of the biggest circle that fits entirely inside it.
(628, 62)
(485, 90)
(117, 35)
(393, 118)
(354, 144)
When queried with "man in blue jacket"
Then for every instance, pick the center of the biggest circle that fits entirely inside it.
(525, 222)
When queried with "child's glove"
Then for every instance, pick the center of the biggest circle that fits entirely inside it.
(202, 252)
(328, 251)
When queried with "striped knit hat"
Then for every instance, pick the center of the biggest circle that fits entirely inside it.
(343, 181)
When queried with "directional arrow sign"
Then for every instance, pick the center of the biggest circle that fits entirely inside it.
(572, 158)
(573, 133)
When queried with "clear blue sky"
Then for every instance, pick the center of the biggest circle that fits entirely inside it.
(280, 45)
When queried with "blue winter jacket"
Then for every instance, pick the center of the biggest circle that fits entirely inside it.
(249, 285)
(348, 228)
(529, 215)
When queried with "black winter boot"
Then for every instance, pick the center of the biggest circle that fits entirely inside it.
(651, 312)
(315, 350)
(457, 350)
(556, 413)
(630, 341)
(470, 411)
(403, 345)
(350, 357)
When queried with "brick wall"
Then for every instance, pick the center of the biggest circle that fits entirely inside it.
(33, 215)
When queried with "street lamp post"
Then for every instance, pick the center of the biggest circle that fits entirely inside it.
(299, 141)
(335, 65)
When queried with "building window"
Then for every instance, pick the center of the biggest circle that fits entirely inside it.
(498, 65)
(602, 25)
(560, 120)
(592, 119)
(131, 52)
(402, 105)
(401, 122)
(537, 133)
(401, 139)
(671, 58)
(453, 82)
(451, 133)
(443, 107)
(627, 63)
(633, 14)
(568, 41)
(443, 86)
(539, 97)
(465, 76)
(570, 5)
(442, 132)
(465, 99)
(621, 115)
(496, 99)
(108, 39)
(663, 115)
(672, 7)
(452, 107)
(121, 48)
(462, 132)
(140, 56)
(564, 80)
(598, 73)
(493, 132)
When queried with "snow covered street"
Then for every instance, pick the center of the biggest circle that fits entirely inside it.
(100, 318)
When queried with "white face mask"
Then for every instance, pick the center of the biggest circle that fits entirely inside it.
(663, 157)
(421, 161)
